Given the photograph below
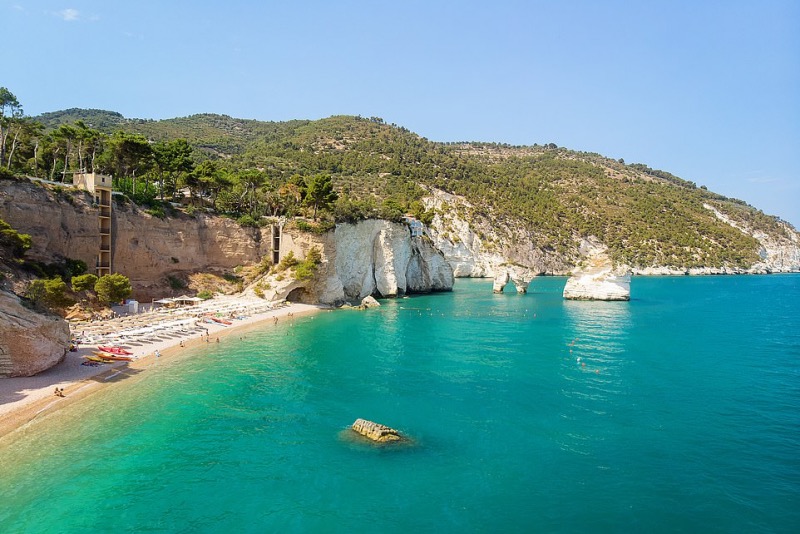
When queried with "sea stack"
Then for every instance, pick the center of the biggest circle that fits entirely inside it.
(599, 280)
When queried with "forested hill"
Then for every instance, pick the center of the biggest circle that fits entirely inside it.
(557, 196)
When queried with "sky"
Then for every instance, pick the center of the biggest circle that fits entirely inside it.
(707, 90)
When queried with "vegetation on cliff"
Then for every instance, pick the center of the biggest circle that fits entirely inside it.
(346, 168)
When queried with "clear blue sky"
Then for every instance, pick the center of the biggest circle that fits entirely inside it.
(707, 90)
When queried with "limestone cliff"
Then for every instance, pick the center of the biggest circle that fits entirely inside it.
(372, 257)
(30, 342)
(146, 249)
(478, 244)
(780, 251)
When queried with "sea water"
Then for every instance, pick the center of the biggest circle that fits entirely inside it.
(678, 411)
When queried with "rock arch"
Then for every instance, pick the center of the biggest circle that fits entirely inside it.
(521, 276)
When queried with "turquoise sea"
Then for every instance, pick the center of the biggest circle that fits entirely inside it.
(678, 411)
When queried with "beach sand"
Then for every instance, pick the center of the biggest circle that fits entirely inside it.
(23, 399)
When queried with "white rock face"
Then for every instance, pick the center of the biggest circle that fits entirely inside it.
(598, 280)
(600, 286)
(463, 248)
(380, 258)
(780, 253)
(519, 275)
(370, 302)
(29, 342)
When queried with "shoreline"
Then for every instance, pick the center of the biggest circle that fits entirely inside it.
(23, 399)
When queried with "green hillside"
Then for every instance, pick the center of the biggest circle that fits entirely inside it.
(252, 168)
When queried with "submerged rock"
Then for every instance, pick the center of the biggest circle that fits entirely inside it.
(376, 432)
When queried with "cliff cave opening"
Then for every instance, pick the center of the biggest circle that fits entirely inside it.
(299, 294)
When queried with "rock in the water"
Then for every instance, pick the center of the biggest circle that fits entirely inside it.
(370, 302)
(521, 276)
(29, 342)
(376, 432)
(599, 280)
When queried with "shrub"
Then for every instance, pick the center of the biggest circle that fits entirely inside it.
(84, 282)
(205, 295)
(306, 269)
(49, 293)
(156, 211)
(113, 288)
(75, 267)
(247, 221)
(18, 243)
(175, 283)
(287, 262)
(315, 228)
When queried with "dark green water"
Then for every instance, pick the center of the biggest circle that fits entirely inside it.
(676, 412)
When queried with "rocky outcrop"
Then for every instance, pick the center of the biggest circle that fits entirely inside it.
(376, 432)
(477, 244)
(597, 278)
(146, 249)
(519, 275)
(372, 257)
(780, 250)
(369, 302)
(29, 342)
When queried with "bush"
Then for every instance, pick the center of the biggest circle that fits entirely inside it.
(315, 228)
(113, 288)
(75, 267)
(6, 174)
(205, 295)
(156, 211)
(49, 293)
(306, 269)
(287, 262)
(247, 221)
(84, 282)
(18, 243)
(176, 283)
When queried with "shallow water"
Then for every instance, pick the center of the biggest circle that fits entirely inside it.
(677, 411)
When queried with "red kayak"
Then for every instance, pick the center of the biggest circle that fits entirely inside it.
(115, 350)
(113, 357)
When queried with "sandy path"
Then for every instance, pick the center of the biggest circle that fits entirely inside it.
(23, 399)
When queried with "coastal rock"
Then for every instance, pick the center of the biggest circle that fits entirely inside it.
(478, 244)
(464, 249)
(369, 302)
(30, 342)
(372, 257)
(598, 279)
(519, 275)
(500, 281)
(780, 250)
(376, 432)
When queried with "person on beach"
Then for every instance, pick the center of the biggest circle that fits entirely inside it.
(181, 343)
(217, 340)
(158, 354)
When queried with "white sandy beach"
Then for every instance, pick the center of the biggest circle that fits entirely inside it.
(23, 399)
